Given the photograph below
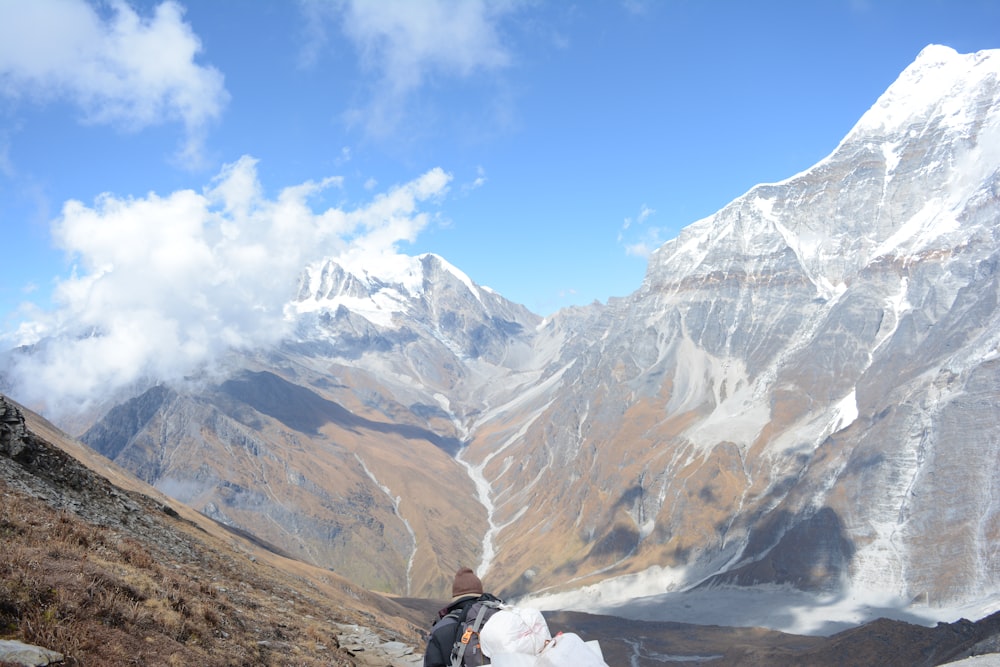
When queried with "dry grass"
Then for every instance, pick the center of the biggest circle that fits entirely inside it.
(103, 598)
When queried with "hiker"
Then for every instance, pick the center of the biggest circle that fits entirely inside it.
(466, 591)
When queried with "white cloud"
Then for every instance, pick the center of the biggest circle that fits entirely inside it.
(651, 237)
(163, 285)
(314, 35)
(478, 182)
(122, 69)
(639, 249)
(403, 43)
(405, 40)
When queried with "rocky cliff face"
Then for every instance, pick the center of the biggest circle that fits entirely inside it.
(802, 392)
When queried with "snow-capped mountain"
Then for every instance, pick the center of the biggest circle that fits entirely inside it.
(803, 391)
(334, 445)
(807, 380)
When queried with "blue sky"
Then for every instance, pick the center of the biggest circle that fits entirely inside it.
(544, 148)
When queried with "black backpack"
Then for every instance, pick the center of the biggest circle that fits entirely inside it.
(466, 652)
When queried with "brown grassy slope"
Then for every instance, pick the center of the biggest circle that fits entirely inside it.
(109, 576)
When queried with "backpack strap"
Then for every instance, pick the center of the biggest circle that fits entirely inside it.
(474, 630)
(457, 614)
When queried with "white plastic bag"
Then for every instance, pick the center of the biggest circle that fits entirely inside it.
(514, 630)
(569, 650)
(514, 660)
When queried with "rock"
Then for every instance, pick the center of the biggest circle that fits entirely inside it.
(18, 653)
(370, 649)
(12, 429)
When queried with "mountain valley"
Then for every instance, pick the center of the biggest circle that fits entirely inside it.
(99, 568)
(801, 395)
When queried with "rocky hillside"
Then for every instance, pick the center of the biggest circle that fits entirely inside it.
(115, 574)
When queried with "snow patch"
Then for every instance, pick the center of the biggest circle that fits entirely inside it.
(928, 224)
(890, 153)
(779, 608)
(377, 309)
(845, 412)
(702, 378)
(386, 268)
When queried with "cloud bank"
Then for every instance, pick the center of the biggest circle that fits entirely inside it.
(120, 69)
(163, 285)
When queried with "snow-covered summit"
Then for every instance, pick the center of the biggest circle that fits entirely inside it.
(373, 286)
(904, 180)
(936, 86)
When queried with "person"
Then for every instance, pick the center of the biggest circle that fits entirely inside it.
(466, 590)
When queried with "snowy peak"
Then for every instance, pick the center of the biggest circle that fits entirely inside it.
(805, 370)
(941, 85)
(922, 160)
(375, 288)
(397, 300)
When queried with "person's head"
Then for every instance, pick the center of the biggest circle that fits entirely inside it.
(466, 584)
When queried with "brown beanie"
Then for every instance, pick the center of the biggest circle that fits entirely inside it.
(466, 583)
